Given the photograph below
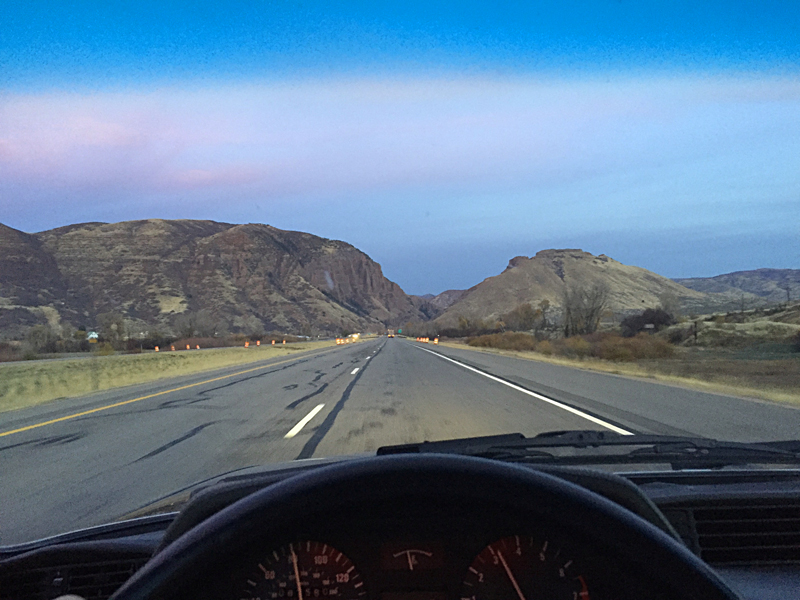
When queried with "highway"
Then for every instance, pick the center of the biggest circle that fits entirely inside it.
(80, 462)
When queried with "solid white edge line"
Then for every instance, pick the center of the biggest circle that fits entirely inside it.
(574, 411)
(296, 429)
(354, 371)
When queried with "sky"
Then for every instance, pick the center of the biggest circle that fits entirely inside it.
(441, 138)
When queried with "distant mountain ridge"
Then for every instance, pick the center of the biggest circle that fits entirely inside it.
(249, 276)
(256, 277)
(770, 285)
(442, 301)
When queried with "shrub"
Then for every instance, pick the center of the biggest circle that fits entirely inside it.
(9, 352)
(203, 342)
(614, 348)
(796, 342)
(606, 346)
(105, 349)
(42, 338)
(504, 341)
(643, 346)
(578, 346)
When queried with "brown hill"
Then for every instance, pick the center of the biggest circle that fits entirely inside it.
(246, 276)
(547, 275)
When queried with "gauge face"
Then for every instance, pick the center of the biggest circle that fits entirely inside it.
(523, 568)
(304, 571)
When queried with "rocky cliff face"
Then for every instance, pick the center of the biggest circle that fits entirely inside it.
(246, 276)
(31, 284)
(29, 275)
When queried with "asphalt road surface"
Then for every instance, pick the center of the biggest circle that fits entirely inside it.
(60, 472)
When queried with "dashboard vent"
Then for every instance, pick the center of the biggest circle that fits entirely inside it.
(748, 532)
(93, 581)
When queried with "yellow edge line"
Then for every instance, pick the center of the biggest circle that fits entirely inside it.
(101, 408)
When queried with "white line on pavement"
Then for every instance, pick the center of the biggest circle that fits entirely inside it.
(354, 371)
(296, 429)
(574, 411)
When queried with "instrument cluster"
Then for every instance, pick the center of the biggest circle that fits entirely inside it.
(509, 567)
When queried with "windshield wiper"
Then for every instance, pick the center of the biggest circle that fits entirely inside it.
(600, 447)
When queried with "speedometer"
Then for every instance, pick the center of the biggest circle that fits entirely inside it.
(524, 568)
(303, 570)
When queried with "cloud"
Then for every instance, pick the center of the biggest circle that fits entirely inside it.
(324, 140)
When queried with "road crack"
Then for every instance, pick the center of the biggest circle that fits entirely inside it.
(321, 431)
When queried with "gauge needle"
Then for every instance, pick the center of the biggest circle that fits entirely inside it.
(297, 574)
(510, 575)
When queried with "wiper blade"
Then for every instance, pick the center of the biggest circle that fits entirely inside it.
(601, 447)
(457, 446)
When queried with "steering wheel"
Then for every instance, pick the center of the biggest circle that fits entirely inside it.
(276, 511)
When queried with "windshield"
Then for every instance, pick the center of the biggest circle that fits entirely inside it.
(243, 234)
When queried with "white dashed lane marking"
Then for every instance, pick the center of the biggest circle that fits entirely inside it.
(304, 421)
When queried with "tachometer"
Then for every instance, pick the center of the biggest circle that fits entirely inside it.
(523, 568)
(304, 571)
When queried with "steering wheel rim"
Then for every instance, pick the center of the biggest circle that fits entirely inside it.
(274, 511)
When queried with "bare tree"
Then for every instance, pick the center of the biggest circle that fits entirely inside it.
(207, 324)
(544, 306)
(583, 307)
(112, 327)
(42, 338)
(185, 324)
(252, 325)
(522, 318)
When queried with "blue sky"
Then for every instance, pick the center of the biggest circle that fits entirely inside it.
(440, 138)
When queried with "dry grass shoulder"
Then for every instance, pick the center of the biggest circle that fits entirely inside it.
(776, 380)
(28, 383)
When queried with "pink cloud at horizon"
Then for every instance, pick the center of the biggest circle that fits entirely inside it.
(329, 138)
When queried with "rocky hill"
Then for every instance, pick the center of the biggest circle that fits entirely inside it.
(152, 272)
(546, 276)
(447, 298)
(759, 286)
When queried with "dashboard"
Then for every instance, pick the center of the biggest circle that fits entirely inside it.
(444, 555)
(431, 536)
(425, 528)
